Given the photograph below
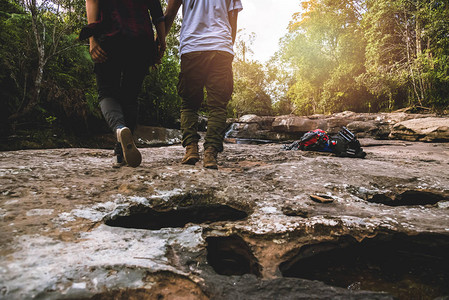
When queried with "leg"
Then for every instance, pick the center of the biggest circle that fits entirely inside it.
(191, 89)
(219, 87)
(108, 81)
(135, 67)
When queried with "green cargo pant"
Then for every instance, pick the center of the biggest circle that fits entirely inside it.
(211, 70)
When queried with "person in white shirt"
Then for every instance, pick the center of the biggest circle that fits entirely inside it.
(208, 34)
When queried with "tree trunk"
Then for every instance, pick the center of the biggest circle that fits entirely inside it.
(409, 58)
(418, 37)
(42, 61)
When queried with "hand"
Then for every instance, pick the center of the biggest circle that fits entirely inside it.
(161, 47)
(96, 52)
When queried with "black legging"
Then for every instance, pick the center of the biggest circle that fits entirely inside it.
(119, 79)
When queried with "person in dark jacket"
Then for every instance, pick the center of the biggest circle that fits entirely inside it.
(123, 47)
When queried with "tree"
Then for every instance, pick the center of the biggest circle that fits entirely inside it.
(14, 52)
(50, 23)
(407, 51)
(325, 50)
(279, 80)
(250, 81)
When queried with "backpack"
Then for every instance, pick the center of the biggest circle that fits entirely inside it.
(343, 144)
(315, 140)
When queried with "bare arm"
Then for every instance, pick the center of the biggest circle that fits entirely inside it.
(232, 15)
(93, 15)
(170, 13)
(162, 45)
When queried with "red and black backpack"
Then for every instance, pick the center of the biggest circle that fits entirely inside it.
(315, 140)
(343, 144)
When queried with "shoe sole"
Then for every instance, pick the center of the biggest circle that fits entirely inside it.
(131, 154)
(213, 167)
(190, 161)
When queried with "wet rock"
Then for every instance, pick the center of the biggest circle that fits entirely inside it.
(164, 285)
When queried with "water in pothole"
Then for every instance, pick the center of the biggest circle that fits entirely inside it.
(142, 217)
(408, 267)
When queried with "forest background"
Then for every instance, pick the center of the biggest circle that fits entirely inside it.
(358, 55)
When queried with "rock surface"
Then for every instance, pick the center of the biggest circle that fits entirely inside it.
(396, 125)
(426, 130)
(72, 227)
(157, 136)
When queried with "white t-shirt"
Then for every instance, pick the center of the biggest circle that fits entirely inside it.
(205, 25)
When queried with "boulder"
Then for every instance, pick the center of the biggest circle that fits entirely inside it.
(370, 129)
(264, 122)
(364, 125)
(243, 130)
(250, 119)
(422, 129)
(157, 136)
(295, 124)
(335, 124)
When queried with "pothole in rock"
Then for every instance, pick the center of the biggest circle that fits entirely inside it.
(411, 197)
(143, 217)
(408, 267)
(231, 255)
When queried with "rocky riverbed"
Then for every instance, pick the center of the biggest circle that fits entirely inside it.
(269, 224)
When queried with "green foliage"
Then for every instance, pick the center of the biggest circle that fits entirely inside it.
(325, 49)
(407, 40)
(360, 55)
(159, 100)
(69, 88)
(159, 103)
(15, 77)
(250, 96)
(251, 82)
(368, 55)
(50, 43)
(67, 95)
(278, 82)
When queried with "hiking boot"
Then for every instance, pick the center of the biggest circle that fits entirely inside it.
(191, 156)
(131, 154)
(210, 158)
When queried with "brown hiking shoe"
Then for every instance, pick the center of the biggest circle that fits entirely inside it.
(191, 156)
(210, 158)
